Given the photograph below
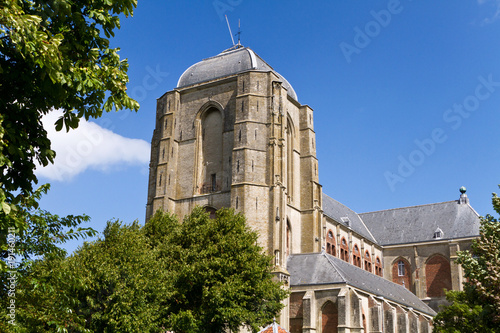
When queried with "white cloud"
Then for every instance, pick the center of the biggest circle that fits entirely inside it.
(493, 9)
(89, 146)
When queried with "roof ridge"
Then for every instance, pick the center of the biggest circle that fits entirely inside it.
(376, 241)
(472, 208)
(354, 212)
(415, 206)
(340, 271)
(228, 51)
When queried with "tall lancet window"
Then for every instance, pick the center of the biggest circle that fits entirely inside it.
(211, 164)
(289, 154)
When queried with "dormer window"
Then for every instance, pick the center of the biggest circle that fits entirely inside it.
(438, 234)
(345, 220)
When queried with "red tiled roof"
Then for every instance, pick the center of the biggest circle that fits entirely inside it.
(273, 328)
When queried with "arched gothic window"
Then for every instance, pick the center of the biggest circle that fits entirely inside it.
(401, 273)
(344, 250)
(356, 256)
(289, 154)
(330, 244)
(378, 267)
(211, 161)
(368, 262)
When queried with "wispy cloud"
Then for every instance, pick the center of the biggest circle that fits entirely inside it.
(491, 6)
(89, 146)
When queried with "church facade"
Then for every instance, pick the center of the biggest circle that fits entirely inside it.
(233, 134)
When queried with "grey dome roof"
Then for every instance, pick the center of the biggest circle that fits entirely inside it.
(227, 63)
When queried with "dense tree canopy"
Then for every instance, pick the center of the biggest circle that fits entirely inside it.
(201, 275)
(477, 308)
(220, 278)
(54, 54)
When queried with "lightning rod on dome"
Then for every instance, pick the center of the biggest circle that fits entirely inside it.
(229, 27)
(239, 32)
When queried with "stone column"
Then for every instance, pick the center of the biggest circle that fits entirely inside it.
(309, 313)
(402, 320)
(389, 318)
(344, 304)
(376, 316)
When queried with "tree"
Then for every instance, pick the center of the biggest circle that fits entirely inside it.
(201, 275)
(54, 54)
(221, 279)
(114, 284)
(477, 308)
(45, 231)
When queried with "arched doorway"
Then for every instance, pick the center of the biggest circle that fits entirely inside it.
(329, 318)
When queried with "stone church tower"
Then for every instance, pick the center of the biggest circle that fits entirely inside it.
(232, 134)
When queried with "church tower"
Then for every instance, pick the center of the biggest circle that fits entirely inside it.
(232, 134)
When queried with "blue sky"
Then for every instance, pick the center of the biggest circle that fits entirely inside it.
(406, 99)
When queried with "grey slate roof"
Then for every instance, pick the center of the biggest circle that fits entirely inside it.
(337, 211)
(323, 269)
(228, 63)
(418, 223)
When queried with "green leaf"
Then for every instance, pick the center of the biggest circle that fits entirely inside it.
(6, 207)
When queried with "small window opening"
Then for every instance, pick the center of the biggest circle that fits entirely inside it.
(401, 268)
(213, 182)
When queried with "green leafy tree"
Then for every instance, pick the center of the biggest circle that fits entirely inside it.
(54, 54)
(477, 308)
(114, 284)
(221, 279)
(45, 233)
(202, 275)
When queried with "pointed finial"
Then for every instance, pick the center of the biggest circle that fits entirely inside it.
(463, 197)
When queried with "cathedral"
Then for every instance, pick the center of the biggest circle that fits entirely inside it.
(233, 134)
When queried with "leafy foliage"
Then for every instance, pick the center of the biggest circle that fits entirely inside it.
(53, 55)
(111, 285)
(220, 277)
(202, 275)
(477, 308)
(45, 231)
